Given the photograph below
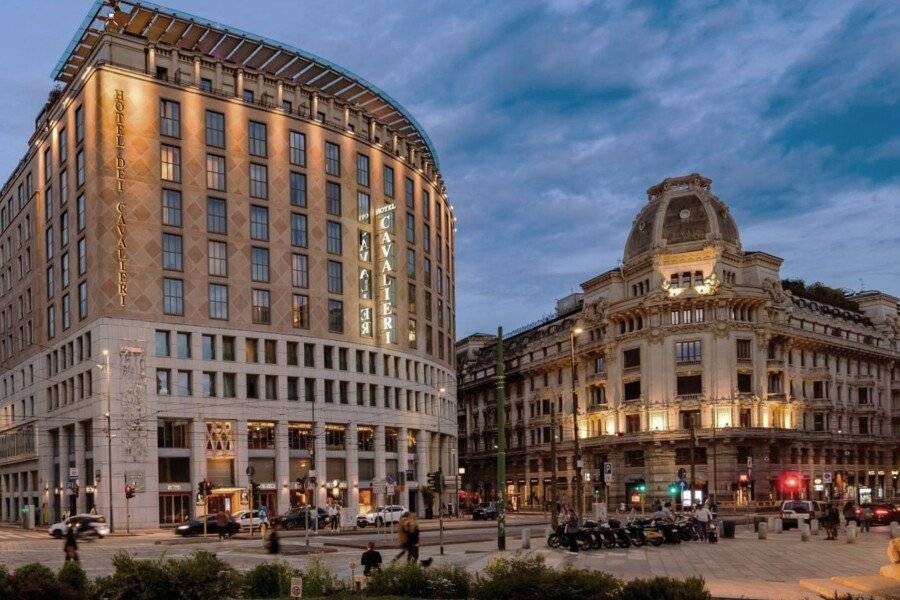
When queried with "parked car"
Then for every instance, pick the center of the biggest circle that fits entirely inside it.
(243, 519)
(381, 515)
(485, 511)
(80, 522)
(195, 527)
(296, 518)
(881, 513)
(793, 512)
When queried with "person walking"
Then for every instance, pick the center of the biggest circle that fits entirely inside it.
(273, 544)
(703, 516)
(571, 530)
(337, 518)
(402, 535)
(70, 547)
(371, 559)
(832, 520)
(850, 514)
(222, 524)
(331, 516)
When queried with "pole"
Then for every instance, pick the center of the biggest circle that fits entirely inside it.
(441, 508)
(715, 474)
(112, 526)
(501, 445)
(205, 506)
(554, 507)
(250, 502)
(127, 509)
(693, 464)
(579, 497)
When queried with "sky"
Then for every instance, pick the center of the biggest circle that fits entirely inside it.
(551, 120)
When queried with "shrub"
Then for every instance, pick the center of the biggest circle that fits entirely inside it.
(138, 579)
(6, 583)
(665, 588)
(520, 576)
(72, 578)
(268, 580)
(412, 580)
(34, 581)
(319, 580)
(202, 576)
(451, 581)
(581, 583)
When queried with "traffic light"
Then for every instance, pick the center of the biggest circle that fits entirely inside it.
(201, 488)
(129, 491)
(682, 474)
(674, 489)
(791, 482)
(641, 486)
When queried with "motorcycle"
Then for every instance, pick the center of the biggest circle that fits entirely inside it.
(647, 531)
(636, 534)
(712, 532)
(560, 538)
(671, 532)
(623, 539)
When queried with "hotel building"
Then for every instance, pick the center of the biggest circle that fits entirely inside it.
(222, 258)
(693, 347)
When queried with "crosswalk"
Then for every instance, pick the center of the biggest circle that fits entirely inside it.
(13, 535)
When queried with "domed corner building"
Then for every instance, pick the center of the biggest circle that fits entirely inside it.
(256, 247)
(694, 364)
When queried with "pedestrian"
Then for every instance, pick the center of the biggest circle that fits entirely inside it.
(703, 516)
(571, 530)
(222, 524)
(832, 520)
(865, 518)
(850, 513)
(337, 518)
(94, 510)
(331, 515)
(402, 536)
(412, 539)
(70, 547)
(371, 559)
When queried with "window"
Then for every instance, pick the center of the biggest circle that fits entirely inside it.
(335, 277)
(208, 384)
(162, 382)
(410, 228)
(270, 352)
(298, 230)
(66, 314)
(252, 386)
(332, 159)
(297, 144)
(63, 187)
(229, 385)
(81, 216)
(745, 383)
(632, 358)
(259, 223)
(426, 271)
(171, 208)
(261, 307)
(183, 344)
(48, 243)
(299, 270)
(216, 218)
(218, 258)
(82, 256)
(257, 135)
(333, 198)
(259, 264)
(50, 279)
(362, 170)
(411, 298)
(634, 458)
(335, 316)
(215, 129)
(248, 96)
(300, 311)
(743, 350)
(633, 390)
(79, 124)
(410, 194)
(64, 269)
(63, 229)
(48, 164)
(170, 162)
(298, 189)
(363, 206)
(388, 182)
(208, 347)
(333, 238)
(259, 186)
(169, 118)
(172, 252)
(228, 347)
(426, 238)
(819, 422)
(688, 352)
(79, 168)
(206, 84)
(309, 355)
(689, 385)
(251, 350)
(173, 434)
(82, 300)
(173, 296)
(216, 178)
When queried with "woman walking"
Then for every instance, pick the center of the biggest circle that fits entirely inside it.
(70, 547)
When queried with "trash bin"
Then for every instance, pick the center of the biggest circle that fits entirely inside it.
(27, 517)
(728, 529)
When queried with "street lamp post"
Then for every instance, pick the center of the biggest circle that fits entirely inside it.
(501, 444)
(579, 502)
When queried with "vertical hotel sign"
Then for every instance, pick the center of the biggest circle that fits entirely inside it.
(384, 218)
(121, 257)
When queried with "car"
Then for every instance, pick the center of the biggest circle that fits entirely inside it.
(299, 516)
(242, 517)
(195, 527)
(793, 512)
(880, 513)
(80, 522)
(485, 511)
(381, 515)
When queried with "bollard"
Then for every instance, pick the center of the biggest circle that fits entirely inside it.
(814, 526)
(895, 529)
(779, 525)
(762, 530)
(770, 522)
(852, 531)
(526, 539)
(804, 532)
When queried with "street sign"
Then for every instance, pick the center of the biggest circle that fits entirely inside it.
(749, 462)
(391, 478)
(296, 587)
(135, 478)
(826, 477)
(250, 470)
(73, 472)
(379, 487)
(389, 489)
(607, 469)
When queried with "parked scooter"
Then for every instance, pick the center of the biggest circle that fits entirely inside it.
(712, 532)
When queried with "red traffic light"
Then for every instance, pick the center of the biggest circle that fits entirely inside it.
(791, 482)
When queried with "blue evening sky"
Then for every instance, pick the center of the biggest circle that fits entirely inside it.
(552, 119)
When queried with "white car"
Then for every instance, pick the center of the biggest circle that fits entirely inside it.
(795, 512)
(382, 515)
(242, 518)
(95, 522)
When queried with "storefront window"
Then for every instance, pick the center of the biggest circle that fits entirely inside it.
(260, 435)
(174, 508)
(300, 437)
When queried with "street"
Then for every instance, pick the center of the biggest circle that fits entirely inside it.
(741, 567)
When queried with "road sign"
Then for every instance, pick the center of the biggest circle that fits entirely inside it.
(826, 477)
(749, 462)
(379, 487)
(607, 469)
(389, 489)
(296, 587)
(391, 478)
(73, 472)
(250, 470)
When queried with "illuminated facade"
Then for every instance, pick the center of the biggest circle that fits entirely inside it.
(692, 337)
(260, 245)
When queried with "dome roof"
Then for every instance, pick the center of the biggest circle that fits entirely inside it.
(681, 214)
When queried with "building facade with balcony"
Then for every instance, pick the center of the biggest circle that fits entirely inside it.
(692, 352)
(243, 254)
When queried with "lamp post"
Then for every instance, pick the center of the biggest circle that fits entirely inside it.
(112, 521)
(440, 471)
(579, 501)
(501, 444)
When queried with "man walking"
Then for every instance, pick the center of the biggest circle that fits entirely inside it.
(371, 559)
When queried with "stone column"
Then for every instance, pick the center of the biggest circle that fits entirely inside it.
(349, 512)
(217, 78)
(282, 466)
(279, 93)
(63, 468)
(197, 76)
(319, 427)
(198, 453)
(239, 84)
(84, 479)
(402, 453)
(174, 65)
(151, 60)
(346, 117)
(241, 458)
(380, 461)
(372, 130)
(313, 106)
(423, 439)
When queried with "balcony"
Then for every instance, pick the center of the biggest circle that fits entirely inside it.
(775, 396)
(775, 363)
(689, 397)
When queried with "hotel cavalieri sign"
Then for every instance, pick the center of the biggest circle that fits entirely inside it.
(121, 256)
(384, 219)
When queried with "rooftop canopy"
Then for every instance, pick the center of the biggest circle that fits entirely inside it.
(190, 33)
